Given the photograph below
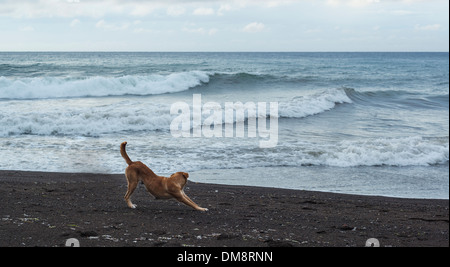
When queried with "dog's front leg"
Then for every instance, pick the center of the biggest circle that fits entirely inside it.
(186, 200)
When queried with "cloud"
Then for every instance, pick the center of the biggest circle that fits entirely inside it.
(140, 8)
(254, 27)
(102, 24)
(53, 8)
(143, 30)
(27, 29)
(363, 3)
(224, 8)
(201, 31)
(351, 3)
(203, 11)
(432, 27)
(175, 11)
(313, 30)
(402, 12)
(101, 8)
(77, 8)
(74, 23)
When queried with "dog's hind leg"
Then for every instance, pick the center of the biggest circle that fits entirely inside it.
(131, 187)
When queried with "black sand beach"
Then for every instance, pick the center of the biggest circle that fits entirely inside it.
(46, 209)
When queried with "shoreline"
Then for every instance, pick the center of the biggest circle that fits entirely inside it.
(46, 209)
(363, 181)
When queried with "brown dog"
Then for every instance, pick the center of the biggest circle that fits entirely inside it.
(160, 187)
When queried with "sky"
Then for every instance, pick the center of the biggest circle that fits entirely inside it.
(224, 25)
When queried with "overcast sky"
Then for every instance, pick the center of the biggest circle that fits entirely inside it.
(224, 25)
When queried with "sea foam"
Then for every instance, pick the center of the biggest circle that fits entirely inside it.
(84, 117)
(303, 106)
(56, 87)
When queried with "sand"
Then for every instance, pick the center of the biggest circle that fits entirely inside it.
(46, 209)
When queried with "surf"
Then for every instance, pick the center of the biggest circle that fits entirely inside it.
(98, 86)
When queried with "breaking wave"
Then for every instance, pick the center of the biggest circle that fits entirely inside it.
(56, 87)
(69, 117)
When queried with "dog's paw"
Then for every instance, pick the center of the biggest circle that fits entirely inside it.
(133, 206)
(203, 209)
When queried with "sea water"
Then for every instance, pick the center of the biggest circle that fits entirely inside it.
(363, 123)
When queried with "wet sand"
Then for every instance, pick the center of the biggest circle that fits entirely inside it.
(46, 209)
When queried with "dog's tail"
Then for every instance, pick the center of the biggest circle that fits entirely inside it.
(124, 153)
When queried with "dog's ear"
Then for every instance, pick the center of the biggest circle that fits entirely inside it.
(186, 175)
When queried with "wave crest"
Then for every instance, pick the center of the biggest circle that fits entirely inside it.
(55, 87)
(67, 118)
(303, 106)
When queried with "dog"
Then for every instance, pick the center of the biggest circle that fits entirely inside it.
(160, 187)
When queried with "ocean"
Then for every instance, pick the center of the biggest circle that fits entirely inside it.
(358, 123)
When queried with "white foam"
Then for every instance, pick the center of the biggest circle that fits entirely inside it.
(84, 117)
(303, 106)
(237, 153)
(51, 117)
(55, 87)
(408, 151)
